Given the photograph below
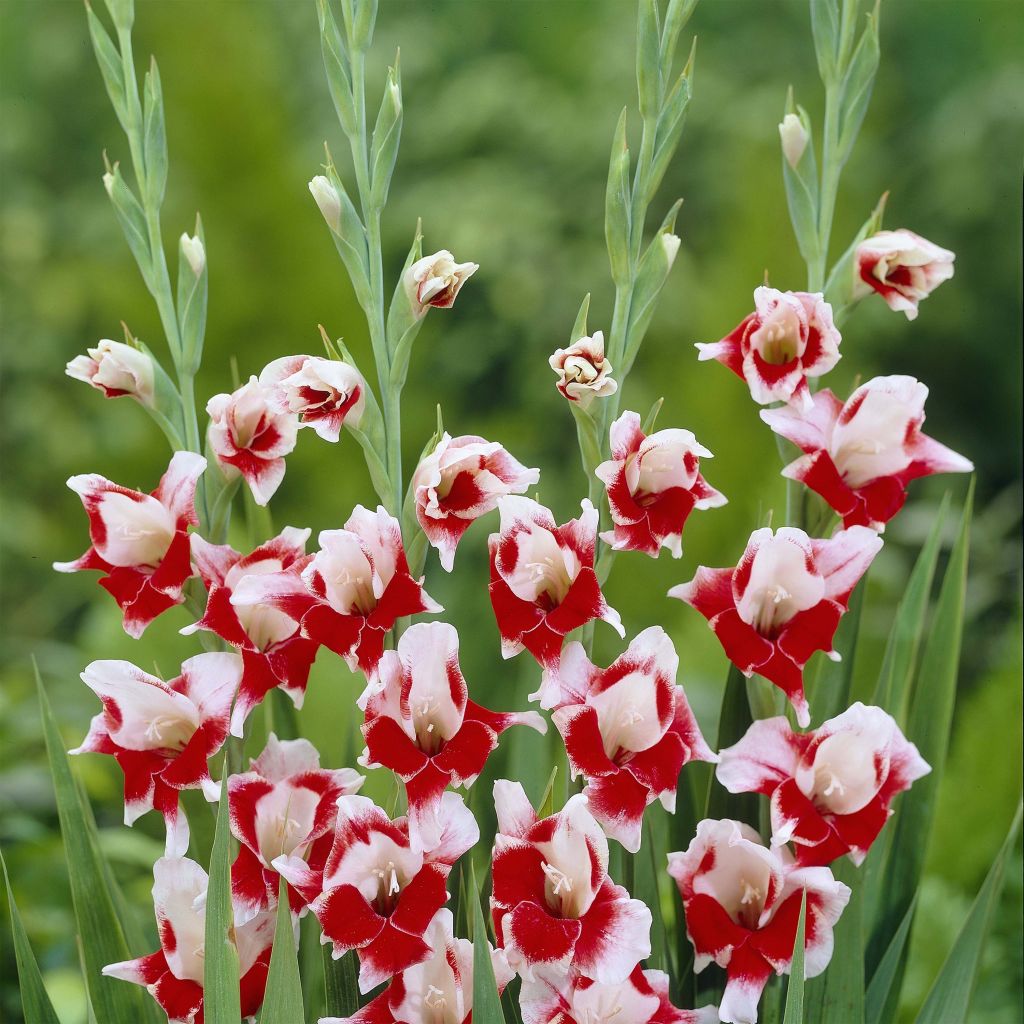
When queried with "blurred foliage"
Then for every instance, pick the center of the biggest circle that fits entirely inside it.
(509, 114)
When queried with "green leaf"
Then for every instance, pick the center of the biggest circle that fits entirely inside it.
(834, 680)
(616, 206)
(403, 321)
(387, 134)
(677, 14)
(579, 327)
(362, 24)
(111, 68)
(341, 983)
(880, 996)
(839, 288)
(283, 1000)
(486, 1001)
(648, 59)
(192, 299)
(337, 66)
(825, 29)
(733, 722)
(350, 241)
(132, 220)
(795, 994)
(670, 128)
(857, 86)
(547, 802)
(801, 184)
(154, 136)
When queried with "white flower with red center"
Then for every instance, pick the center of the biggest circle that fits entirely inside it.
(583, 372)
(436, 280)
(830, 789)
(175, 974)
(627, 728)
(140, 541)
(460, 481)
(349, 594)
(422, 725)
(861, 456)
(274, 651)
(742, 904)
(555, 907)
(116, 369)
(789, 337)
(782, 602)
(376, 893)
(251, 436)
(902, 267)
(324, 393)
(162, 734)
(653, 483)
(543, 583)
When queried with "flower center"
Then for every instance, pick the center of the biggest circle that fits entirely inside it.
(769, 612)
(435, 998)
(388, 888)
(167, 732)
(558, 889)
(751, 904)
(428, 734)
(778, 345)
(550, 580)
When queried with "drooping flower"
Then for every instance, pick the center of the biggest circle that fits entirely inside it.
(460, 481)
(742, 904)
(583, 372)
(436, 280)
(251, 437)
(324, 393)
(140, 541)
(555, 907)
(903, 268)
(789, 337)
(274, 651)
(782, 602)
(175, 973)
(861, 456)
(543, 583)
(376, 893)
(423, 726)
(627, 728)
(162, 734)
(653, 483)
(116, 369)
(830, 789)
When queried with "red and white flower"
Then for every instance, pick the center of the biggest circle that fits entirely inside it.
(162, 734)
(376, 893)
(436, 280)
(324, 393)
(140, 541)
(789, 337)
(251, 437)
(116, 369)
(274, 651)
(543, 583)
(175, 973)
(653, 483)
(460, 481)
(628, 729)
(860, 456)
(350, 593)
(742, 904)
(903, 268)
(555, 907)
(583, 372)
(830, 789)
(782, 602)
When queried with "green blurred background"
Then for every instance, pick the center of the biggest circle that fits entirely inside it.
(509, 110)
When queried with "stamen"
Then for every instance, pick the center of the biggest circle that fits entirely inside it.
(557, 878)
(435, 998)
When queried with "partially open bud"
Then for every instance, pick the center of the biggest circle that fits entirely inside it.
(326, 196)
(794, 138)
(436, 280)
(193, 251)
(116, 369)
(583, 372)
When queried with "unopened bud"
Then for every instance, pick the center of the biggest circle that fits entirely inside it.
(670, 243)
(193, 251)
(108, 183)
(326, 196)
(794, 139)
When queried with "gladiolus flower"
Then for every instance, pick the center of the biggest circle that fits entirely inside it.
(830, 789)
(742, 903)
(175, 974)
(583, 372)
(554, 905)
(162, 734)
(422, 725)
(376, 893)
(436, 280)
(249, 436)
(324, 393)
(543, 583)
(116, 369)
(140, 541)
(789, 337)
(903, 268)
(627, 728)
(860, 456)
(782, 602)
(653, 483)
(460, 481)
(284, 806)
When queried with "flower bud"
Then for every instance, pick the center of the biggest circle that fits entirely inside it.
(116, 369)
(193, 251)
(794, 138)
(670, 243)
(583, 372)
(435, 280)
(326, 196)
(108, 184)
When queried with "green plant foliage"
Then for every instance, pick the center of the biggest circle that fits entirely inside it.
(283, 1001)
(795, 992)
(486, 1001)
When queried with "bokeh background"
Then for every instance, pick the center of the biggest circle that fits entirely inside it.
(509, 110)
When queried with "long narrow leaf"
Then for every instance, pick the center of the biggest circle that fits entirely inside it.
(486, 1001)
(834, 679)
(733, 722)
(880, 998)
(283, 1000)
(795, 994)
(341, 984)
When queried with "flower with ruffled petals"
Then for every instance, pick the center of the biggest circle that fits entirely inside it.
(583, 372)
(782, 602)
(742, 904)
(830, 789)
(543, 583)
(460, 481)
(653, 483)
(140, 541)
(555, 907)
(789, 337)
(324, 393)
(162, 734)
(627, 728)
(175, 974)
(376, 893)
(436, 280)
(860, 456)
(116, 369)
(902, 267)
(274, 651)
(251, 437)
